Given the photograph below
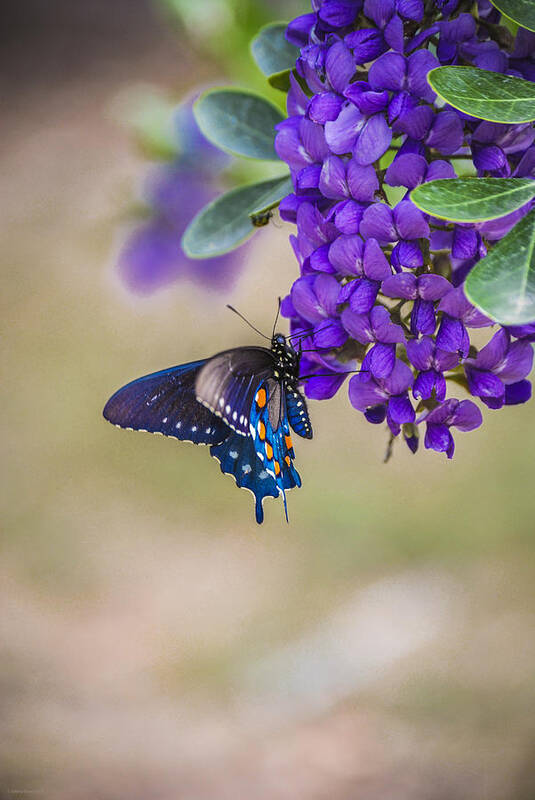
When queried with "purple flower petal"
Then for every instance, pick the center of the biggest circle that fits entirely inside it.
(376, 266)
(333, 182)
(381, 359)
(400, 380)
(439, 438)
(388, 72)
(516, 393)
(433, 287)
(423, 318)
(364, 295)
(419, 65)
(358, 326)
(517, 363)
(339, 66)
(327, 288)
(378, 223)
(404, 285)
(346, 253)
(374, 140)
(348, 216)
(367, 44)
(420, 352)
(406, 170)
(362, 182)
(446, 133)
(483, 384)
(340, 134)
(407, 255)
(325, 387)
(452, 336)
(400, 410)
(385, 330)
(298, 30)
(324, 107)
(410, 221)
(329, 336)
(363, 395)
(466, 416)
(337, 13)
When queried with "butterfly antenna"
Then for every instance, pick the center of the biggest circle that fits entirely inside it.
(276, 318)
(248, 323)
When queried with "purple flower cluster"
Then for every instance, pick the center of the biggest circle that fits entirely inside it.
(381, 284)
(151, 256)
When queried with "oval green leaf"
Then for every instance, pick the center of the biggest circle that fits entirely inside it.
(280, 80)
(473, 199)
(521, 11)
(502, 284)
(225, 223)
(272, 51)
(485, 95)
(239, 122)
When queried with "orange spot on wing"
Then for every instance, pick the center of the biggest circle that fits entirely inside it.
(287, 459)
(277, 468)
(261, 430)
(269, 451)
(261, 398)
(288, 440)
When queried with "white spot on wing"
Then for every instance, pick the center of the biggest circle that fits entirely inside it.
(233, 454)
(246, 469)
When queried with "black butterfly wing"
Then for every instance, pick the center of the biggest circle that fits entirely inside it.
(298, 413)
(228, 382)
(237, 456)
(165, 402)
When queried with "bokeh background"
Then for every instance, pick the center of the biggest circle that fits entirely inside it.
(154, 641)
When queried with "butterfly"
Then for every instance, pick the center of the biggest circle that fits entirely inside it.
(242, 403)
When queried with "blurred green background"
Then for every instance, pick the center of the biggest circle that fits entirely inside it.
(154, 641)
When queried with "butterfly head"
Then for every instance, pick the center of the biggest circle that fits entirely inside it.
(287, 366)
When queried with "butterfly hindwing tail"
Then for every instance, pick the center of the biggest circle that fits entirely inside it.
(237, 456)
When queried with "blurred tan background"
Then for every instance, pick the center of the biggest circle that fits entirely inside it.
(154, 641)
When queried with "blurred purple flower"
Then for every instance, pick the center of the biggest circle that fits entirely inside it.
(151, 256)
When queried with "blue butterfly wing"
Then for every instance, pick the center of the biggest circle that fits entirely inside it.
(165, 402)
(298, 414)
(237, 456)
(270, 431)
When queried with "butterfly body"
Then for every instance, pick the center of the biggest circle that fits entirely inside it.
(241, 402)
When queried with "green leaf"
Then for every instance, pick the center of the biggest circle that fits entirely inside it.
(280, 80)
(521, 11)
(473, 199)
(502, 284)
(225, 223)
(272, 51)
(239, 122)
(485, 95)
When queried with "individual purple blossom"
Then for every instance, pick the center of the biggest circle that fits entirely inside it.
(424, 290)
(367, 136)
(373, 268)
(431, 363)
(499, 364)
(461, 414)
(378, 329)
(384, 398)
(458, 315)
(404, 224)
